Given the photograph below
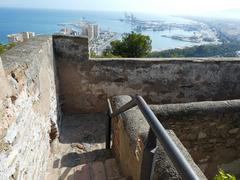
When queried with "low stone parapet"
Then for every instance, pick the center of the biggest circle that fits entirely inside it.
(130, 134)
(209, 130)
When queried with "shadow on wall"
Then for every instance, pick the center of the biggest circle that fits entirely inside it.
(85, 83)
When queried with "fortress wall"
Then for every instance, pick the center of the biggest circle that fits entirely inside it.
(86, 83)
(209, 130)
(28, 109)
(130, 145)
(29, 103)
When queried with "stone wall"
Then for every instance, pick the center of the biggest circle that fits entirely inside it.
(130, 134)
(71, 48)
(209, 131)
(85, 84)
(28, 109)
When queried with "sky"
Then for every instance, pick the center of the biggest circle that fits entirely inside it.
(192, 7)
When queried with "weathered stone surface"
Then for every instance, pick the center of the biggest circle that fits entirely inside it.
(29, 105)
(130, 132)
(98, 171)
(160, 81)
(216, 125)
(74, 48)
(82, 172)
(164, 169)
(26, 114)
(233, 131)
(112, 169)
(4, 85)
(81, 151)
(202, 135)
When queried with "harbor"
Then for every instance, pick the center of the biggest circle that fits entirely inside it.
(98, 39)
(196, 32)
(166, 32)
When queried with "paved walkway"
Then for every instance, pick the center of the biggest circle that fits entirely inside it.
(81, 153)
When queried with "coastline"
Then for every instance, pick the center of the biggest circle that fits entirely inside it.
(20, 20)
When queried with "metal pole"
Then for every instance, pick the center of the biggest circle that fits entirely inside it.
(183, 167)
(108, 125)
(110, 115)
(124, 108)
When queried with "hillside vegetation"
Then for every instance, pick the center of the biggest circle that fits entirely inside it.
(221, 50)
(5, 47)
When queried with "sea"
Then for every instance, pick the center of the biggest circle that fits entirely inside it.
(45, 21)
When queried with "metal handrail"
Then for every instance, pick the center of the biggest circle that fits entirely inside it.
(179, 161)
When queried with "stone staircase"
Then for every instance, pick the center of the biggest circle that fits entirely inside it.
(81, 153)
(98, 170)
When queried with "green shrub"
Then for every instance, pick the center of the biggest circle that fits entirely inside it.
(222, 175)
(132, 45)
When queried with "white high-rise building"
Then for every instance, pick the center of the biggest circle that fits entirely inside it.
(85, 30)
(90, 30)
(96, 30)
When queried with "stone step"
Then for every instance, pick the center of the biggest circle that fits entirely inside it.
(67, 173)
(97, 170)
(112, 169)
(82, 172)
(54, 174)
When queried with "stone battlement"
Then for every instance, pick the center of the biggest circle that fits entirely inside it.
(47, 77)
(160, 81)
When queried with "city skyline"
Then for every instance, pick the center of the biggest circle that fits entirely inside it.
(171, 7)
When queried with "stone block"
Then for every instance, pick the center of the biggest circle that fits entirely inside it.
(82, 172)
(98, 171)
(112, 169)
(5, 89)
(70, 48)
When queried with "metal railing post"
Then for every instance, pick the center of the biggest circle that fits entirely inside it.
(124, 108)
(108, 125)
(179, 161)
(158, 131)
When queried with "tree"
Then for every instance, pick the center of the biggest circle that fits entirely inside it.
(131, 45)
